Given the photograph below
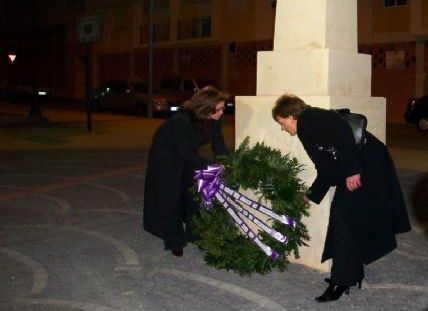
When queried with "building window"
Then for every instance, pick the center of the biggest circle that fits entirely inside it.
(161, 24)
(194, 28)
(395, 59)
(393, 3)
(160, 32)
(194, 19)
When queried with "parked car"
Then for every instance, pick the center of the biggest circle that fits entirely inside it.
(230, 106)
(182, 88)
(131, 97)
(417, 112)
(21, 89)
(179, 88)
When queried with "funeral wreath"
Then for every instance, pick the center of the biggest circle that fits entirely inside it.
(244, 234)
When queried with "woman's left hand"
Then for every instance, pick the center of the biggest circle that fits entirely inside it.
(353, 182)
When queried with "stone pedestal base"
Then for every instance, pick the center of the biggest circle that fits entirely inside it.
(320, 71)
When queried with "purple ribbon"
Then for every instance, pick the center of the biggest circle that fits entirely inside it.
(208, 182)
(248, 232)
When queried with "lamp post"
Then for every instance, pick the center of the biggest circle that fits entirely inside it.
(150, 60)
(11, 57)
(88, 80)
(35, 110)
(89, 29)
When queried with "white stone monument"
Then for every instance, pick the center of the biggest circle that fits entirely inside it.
(315, 57)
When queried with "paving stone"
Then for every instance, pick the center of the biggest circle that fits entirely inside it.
(87, 264)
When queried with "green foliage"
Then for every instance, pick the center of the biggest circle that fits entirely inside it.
(273, 177)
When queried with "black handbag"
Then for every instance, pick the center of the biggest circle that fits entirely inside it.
(358, 124)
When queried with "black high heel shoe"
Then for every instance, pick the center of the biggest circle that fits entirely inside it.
(333, 292)
(360, 282)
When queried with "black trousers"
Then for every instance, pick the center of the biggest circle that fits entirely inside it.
(180, 232)
(347, 265)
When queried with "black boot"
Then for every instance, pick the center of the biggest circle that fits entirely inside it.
(333, 292)
(177, 252)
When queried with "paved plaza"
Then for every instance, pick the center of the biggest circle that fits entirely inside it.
(71, 235)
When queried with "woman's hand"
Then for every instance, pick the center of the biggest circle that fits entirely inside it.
(306, 199)
(353, 182)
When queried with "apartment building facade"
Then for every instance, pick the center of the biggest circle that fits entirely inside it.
(395, 33)
(216, 40)
(219, 40)
(210, 39)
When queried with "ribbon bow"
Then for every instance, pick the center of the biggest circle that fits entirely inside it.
(208, 182)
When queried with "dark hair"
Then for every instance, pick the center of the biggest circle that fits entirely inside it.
(288, 105)
(204, 102)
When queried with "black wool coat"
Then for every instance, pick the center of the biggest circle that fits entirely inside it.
(375, 212)
(173, 158)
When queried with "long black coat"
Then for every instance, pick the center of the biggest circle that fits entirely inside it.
(376, 211)
(173, 158)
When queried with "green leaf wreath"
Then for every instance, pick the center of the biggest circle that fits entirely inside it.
(272, 177)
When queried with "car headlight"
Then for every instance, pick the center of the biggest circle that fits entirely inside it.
(159, 104)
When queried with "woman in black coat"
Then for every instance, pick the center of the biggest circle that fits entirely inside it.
(367, 210)
(173, 159)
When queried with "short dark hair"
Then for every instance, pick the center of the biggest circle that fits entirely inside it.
(288, 105)
(204, 102)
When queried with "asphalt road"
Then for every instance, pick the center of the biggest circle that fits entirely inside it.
(71, 236)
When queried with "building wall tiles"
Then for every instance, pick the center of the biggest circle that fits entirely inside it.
(201, 62)
(390, 20)
(113, 67)
(163, 64)
(396, 84)
(242, 66)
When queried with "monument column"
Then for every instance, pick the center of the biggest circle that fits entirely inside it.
(315, 57)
